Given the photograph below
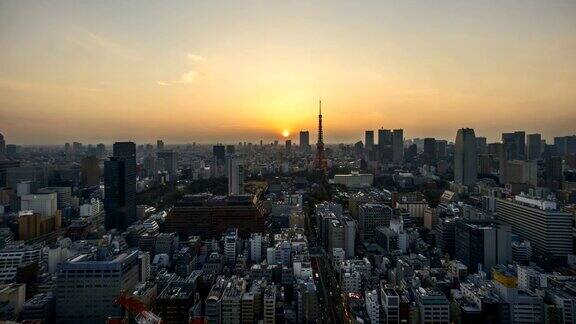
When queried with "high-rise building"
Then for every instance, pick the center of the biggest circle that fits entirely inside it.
(86, 288)
(231, 300)
(4, 166)
(90, 171)
(175, 302)
(398, 146)
(115, 192)
(433, 306)
(44, 204)
(390, 305)
(213, 311)
(369, 139)
(101, 150)
(2, 147)
(219, 152)
(150, 166)
(521, 172)
(441, 149)
(384, 138)
(336, 234)
(565, 144)
(28, 225)
(209, 216)
(371, 216)
(230, 246)
(465, 164)
(120, 186)
(304, 141)
(539, 221)
(270, 304)
(534, 146)
(482, 243)
(63, 195)
(288, 145)
(235, 171)
(430, 151)
(514, 145)
(307, 300)
(170, 159)
(554, 171)
(159, 145)
(481, 145)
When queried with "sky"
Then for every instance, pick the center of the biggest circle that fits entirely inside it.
(229, 71)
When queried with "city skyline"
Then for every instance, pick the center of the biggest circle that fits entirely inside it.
(204, 72)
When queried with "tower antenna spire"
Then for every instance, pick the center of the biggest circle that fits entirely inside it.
(320, 161)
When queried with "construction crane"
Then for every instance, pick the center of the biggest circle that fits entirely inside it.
(136, 308)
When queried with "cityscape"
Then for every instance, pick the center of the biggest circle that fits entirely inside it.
(298, 206)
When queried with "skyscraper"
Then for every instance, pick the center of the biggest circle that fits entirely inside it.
(120, 186)
(235, 171)
(514, 145)
(430, 151)
(320, 162)
(369, 139)
(2, 147)
(398, 145)
(90, 170)
(159, 145)
(483, 243)
(465, 168)
(534, 146)
(219, 152)
(385, 145)
(170, 159)
(384, 137)
(481, 145)
(304, 141)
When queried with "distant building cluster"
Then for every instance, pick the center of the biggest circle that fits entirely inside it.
(385, 230)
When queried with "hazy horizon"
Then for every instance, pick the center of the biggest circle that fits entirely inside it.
(227, 71)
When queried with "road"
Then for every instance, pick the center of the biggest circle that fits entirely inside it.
(326, 294)
(330, 301)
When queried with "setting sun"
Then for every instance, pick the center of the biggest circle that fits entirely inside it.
(285, 133)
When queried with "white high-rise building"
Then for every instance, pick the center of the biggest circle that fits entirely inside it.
(539, 221)
(465, 168)
(390, 304)
(256, 247)
(372, 306)
(230, 245)
(235, 172)
(43, 204)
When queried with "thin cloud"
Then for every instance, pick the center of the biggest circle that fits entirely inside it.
(189, 77)
(186, 78)
(96, 42)
(195, 57)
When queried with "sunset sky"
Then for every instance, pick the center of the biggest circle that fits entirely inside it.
(207, 71)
